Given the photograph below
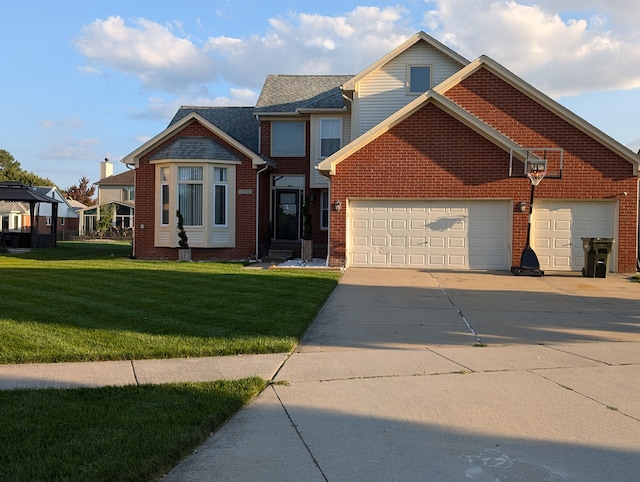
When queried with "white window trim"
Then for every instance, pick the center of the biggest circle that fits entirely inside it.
(324, 206)
(224, 183)
(322, 119)
(408, 84)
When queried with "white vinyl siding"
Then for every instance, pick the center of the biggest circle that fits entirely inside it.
(384, 91)
(558, 227)
(455, 234)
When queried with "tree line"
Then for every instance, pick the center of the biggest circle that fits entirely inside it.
(10, 170)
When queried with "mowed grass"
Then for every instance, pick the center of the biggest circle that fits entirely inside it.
(88, 301)
(134, 433)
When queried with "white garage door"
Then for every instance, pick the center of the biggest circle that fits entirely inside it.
(429, 234)
(558, 227)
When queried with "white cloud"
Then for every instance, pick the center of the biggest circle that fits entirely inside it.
(67, 149)
(563, 47)
(152, 52)
(68, 123)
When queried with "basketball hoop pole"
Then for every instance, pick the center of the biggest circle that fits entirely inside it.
(533, 190)
(529, 264)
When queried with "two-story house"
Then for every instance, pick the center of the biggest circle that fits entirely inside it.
(116, 191)
(420, 160)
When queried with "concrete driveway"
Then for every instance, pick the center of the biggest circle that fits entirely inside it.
(434, 376)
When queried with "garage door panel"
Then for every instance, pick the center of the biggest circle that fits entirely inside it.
(440, 234)
(558, 227)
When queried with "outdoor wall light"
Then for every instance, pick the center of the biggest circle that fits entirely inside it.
(336, 205)
(523, 206)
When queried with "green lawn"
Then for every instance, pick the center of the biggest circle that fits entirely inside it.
(134, 433)
(78, 302)
(89, 301)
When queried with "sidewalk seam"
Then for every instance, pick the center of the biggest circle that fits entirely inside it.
(135, 375)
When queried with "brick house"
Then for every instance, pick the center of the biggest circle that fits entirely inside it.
(417, 161)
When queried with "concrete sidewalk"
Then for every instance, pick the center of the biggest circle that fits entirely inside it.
(413, 375)
(119, 373)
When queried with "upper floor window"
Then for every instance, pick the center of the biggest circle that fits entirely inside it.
(330, 136)
(419, 79)
(287, 139)
(190, 195)
(128, 193)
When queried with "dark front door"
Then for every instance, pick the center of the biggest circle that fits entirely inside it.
(287, 214)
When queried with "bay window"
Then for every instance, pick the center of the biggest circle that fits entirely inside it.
(190, 195)
(220, 196)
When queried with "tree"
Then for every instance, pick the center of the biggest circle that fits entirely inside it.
(83, 192)
(105, 222)
(10, 170)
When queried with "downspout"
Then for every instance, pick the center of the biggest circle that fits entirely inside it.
(266, 166)
(326, 263)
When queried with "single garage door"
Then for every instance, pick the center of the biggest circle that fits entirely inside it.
(558, 227)
(459, 234)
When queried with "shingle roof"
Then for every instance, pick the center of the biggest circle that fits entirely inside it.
(238, 122)
(125, 178)
(289, 93)
(196, 148)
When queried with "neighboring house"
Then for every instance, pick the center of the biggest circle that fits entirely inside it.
(417, 161)
(14, 216)
(68, 218)
(113, 190)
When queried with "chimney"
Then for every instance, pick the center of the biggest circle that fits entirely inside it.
(106, 168)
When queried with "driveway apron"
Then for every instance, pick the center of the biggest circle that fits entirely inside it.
(418, 375)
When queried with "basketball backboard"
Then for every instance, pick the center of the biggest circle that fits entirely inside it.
(525, 160)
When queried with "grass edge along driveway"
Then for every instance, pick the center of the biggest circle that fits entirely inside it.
(87, 304)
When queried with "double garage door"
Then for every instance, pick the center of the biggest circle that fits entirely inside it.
(430, 234)
(469, 234)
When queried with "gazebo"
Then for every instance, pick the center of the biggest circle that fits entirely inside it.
(18, 192)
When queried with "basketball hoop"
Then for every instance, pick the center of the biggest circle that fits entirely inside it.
(536, 177)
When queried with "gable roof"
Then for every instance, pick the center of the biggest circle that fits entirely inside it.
(546, 101)
(125, 178)
(238, 122)
(418, 37)
(328, 166)
(291, 94)
(134, 157)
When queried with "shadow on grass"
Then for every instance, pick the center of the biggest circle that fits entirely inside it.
(125, 309)
(134, 433)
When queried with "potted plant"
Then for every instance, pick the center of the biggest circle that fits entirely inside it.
(307, 232)
(184, 251)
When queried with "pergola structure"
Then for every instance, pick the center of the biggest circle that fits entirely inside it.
(18, 192)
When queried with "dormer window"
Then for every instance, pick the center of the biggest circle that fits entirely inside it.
(418, 79)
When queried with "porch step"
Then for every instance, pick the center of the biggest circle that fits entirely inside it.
(278, 255)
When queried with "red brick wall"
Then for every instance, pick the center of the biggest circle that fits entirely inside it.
(430, 155)
(298, 166)
(245, 246)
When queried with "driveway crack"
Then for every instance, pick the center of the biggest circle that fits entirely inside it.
(304, 443)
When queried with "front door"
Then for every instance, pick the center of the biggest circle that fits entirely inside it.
(287, 214)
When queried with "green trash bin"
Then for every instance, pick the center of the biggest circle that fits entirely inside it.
(597, 253)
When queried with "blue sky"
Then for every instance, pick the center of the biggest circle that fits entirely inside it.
(87, 80)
